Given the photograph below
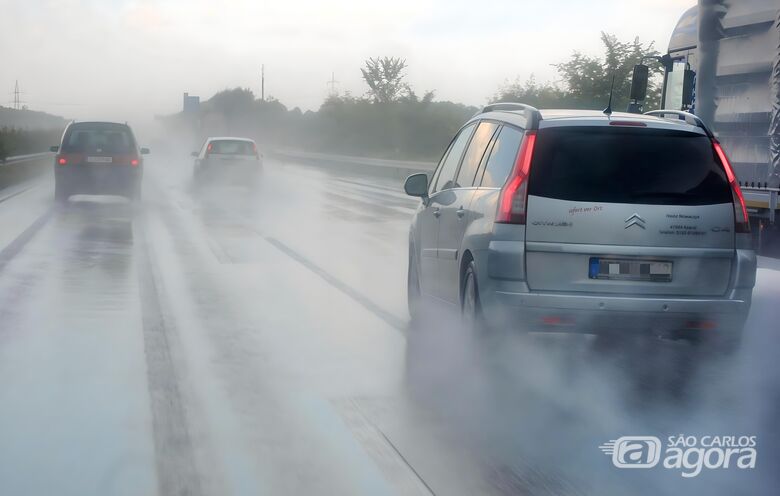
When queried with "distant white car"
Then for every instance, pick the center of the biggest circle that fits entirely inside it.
(227, 160)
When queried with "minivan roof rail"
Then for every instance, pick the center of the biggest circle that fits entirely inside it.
(532, 114)
(683, 116)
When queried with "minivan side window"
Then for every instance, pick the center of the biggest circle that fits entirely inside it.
(474, 153)
(502, 157)
(437, 172)
(446, 174)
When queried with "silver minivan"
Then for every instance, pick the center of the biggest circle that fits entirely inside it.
(580, 221)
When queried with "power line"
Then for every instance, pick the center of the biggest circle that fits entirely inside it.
(61, 104)
(17, 99)
(332, 91)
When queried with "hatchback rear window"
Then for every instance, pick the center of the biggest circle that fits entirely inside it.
(623, 165)
(98, 138)
(232, 147)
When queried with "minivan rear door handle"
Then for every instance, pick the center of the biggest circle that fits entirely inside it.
(436, 212)
(460, 212)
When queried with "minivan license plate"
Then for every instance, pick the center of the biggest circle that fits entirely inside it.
(100, 160)
(630, 270)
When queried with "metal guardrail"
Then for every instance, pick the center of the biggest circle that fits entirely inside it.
(24, 158)
(374, 162)
(14, 170)
(394, 168)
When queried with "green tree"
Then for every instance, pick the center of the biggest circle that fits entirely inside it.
(542, 95)
(585, 80)
(385, 78)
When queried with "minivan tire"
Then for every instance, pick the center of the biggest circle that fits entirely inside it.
(413, 294)
(134, 195)
(61, 194)
(471, 307)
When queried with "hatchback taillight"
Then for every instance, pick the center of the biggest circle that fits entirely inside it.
(741, 220)
(514, 194)
(62, 160)
(134, 162)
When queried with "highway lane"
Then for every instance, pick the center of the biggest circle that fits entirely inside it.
(236, 342)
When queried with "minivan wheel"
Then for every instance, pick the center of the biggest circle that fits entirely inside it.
(413, 288)
(471, 309)
(135, 194)
(61, 194)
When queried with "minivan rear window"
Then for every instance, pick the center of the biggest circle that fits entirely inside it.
(626, 165)
(98, 137)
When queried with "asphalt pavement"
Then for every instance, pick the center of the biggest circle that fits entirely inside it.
(255, 340)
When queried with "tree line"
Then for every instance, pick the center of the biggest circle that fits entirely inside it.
(392, 121)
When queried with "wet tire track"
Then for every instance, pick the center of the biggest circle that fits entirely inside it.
(177, 472)
(25, 285)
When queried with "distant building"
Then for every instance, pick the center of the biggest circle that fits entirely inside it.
(191, 104)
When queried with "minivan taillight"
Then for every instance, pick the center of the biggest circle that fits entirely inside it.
(67, 158)
(514, 194)
(741, 220)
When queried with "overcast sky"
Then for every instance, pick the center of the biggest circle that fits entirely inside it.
(129, 59)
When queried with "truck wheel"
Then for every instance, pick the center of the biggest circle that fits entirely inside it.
(770, 241)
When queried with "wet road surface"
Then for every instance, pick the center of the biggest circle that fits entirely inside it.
(238, 341)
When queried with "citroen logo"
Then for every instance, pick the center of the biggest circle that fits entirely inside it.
(635, 220)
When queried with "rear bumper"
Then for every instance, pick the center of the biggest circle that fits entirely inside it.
(556, 312)
(98, 179)
(508, 301)
(227, 171)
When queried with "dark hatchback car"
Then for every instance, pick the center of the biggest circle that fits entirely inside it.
(98, 158)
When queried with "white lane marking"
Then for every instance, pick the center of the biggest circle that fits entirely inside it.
(21, 190)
